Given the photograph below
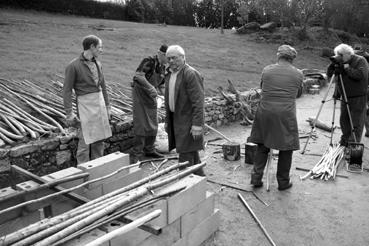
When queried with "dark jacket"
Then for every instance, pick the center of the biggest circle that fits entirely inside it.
(355, 77)
(275, 123)
(189, 110)
(79, 77)
(145, 119)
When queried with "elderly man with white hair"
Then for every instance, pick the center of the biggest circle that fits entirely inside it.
(354, 72)
(275, 124)
(184, 104)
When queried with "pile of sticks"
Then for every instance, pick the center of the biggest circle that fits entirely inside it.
(30, 111)
(102, 210)
(245, 103)
(326, 168)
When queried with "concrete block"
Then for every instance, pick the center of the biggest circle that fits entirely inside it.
(87, 238)
(91, 193)
(28, 185)
(184, 201)
(204, 230)
(199, 213)
(63, 174)
(131, 238)
(170, 234)
(105, 165)
(118, 181)
(6, 192)
(4, 164)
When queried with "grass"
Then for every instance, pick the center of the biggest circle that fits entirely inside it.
(37, 46)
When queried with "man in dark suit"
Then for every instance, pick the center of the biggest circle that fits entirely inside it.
(184, 104)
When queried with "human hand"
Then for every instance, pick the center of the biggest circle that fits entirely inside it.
(72, 120)
(346, 65)
(196, 132)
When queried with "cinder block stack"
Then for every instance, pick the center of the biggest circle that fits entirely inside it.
(187, 218)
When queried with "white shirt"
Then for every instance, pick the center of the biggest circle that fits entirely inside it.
(172, 86)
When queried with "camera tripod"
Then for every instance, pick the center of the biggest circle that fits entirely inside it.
(355, 149)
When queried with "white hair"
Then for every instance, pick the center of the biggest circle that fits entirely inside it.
(176, 49)
(343, 49)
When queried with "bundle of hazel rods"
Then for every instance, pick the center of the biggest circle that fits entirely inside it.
(326, 168)
(52, 231)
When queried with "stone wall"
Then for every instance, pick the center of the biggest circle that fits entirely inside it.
(45, 156)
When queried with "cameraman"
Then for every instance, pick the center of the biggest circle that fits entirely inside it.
(354, 72)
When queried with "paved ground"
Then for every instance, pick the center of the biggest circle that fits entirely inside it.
(312, 212)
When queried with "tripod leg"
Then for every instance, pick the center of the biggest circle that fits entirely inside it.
(334, 114)
(348, 108)
(317, 116)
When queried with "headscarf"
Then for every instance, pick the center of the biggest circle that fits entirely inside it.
(286, 51)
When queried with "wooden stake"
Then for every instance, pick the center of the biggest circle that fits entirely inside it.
(256, 219)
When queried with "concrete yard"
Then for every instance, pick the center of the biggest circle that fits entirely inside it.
(312, 212)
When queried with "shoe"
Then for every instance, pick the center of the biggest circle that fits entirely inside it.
(289, 185)
(154, 154)
(257, 184)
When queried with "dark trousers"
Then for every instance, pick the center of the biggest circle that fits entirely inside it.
(143, 145)
(193, 158)
(283, 166)
(357, 107)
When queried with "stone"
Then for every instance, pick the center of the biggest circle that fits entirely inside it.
(23, 149)
(67, 138)
(63, 156)
(4, 152)
(4, 164)
(49, 144)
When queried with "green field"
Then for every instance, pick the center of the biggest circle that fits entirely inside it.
(37, 46)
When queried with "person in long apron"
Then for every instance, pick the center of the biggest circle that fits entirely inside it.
(275, 124)
(84, 75)
(148, 78)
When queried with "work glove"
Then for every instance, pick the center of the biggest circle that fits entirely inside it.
(72, 119)
(196, 132)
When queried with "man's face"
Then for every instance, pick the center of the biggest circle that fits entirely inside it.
(175, 60)
(96, 50)
(345, 57)
(162, 58)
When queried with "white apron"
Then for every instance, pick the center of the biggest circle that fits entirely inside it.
(94, 117)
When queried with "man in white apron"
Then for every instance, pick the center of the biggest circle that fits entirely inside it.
(84, 75)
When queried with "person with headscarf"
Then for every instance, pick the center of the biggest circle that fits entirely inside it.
(145, 89)
(353, 69)
(275, 124)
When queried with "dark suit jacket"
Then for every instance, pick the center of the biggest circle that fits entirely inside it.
(189, 110)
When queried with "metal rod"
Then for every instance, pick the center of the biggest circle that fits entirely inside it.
(238, 188)
(256, 219)
(334, 114)
(317, 115)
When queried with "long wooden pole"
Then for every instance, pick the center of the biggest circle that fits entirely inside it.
(256, 219)
(218, 132)
(126, 228)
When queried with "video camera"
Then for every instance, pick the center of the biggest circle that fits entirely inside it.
(337, 59)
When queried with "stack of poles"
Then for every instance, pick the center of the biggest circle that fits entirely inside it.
(49, 231)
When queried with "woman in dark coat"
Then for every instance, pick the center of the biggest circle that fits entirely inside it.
(275, 125)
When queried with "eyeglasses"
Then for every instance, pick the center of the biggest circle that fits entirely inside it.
(172, 58)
